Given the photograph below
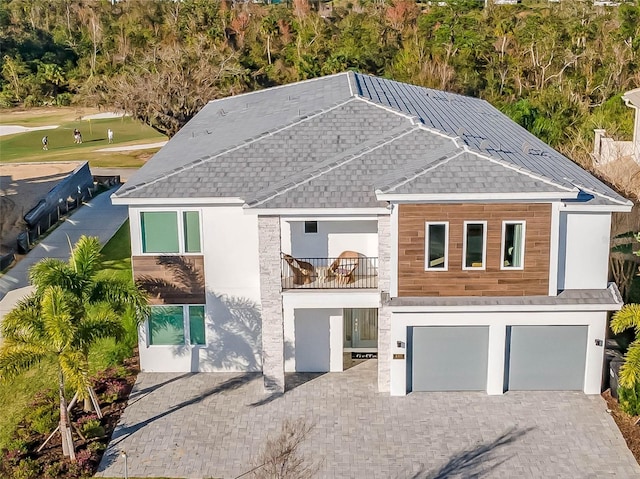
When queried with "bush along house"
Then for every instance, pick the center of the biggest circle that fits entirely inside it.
(305, 227)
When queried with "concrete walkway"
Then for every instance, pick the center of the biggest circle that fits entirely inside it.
(215, 425)
(98, 217)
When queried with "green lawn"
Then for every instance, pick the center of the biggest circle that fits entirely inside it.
(16, 395)
(27, 147)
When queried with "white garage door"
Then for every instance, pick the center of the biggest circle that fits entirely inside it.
(546, 358)
(448, 358)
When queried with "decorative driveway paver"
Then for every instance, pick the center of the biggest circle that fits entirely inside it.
(214, 425)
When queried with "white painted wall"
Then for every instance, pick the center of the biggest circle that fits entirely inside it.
(498, 322)
(232, 282)
(584, 250)
(326, 308)
(333, 237)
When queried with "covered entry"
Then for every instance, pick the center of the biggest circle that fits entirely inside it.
(546, 358)
(448, 358)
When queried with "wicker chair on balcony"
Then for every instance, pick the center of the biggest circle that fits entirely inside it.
(303, 272)
(344, 267)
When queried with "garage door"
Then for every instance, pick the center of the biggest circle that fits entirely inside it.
(449, 358)
(546, 358)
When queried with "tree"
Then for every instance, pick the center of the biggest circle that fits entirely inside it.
(70, 309)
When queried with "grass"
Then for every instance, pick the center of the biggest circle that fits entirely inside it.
(27, 147)
(16, 395)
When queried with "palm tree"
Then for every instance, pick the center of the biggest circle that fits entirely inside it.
(70, 309)
(629, 317)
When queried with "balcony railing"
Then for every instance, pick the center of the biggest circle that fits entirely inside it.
(347, 271)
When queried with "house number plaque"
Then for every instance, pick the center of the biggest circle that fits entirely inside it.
(398, 356)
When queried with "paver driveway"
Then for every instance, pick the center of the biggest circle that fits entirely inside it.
(213, 425)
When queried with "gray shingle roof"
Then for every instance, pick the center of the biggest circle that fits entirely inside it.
(467, 172)
(332, 141)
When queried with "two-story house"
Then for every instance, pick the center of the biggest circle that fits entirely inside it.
(308, 226)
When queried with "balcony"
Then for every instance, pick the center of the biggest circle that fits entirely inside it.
(350, 270)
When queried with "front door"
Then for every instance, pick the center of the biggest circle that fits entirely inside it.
(361, 328)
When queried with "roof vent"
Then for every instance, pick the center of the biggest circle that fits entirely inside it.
(221, 112)
(461, 131)
(484, 145)
(526, 147)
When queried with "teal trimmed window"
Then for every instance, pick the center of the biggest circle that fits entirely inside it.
(171, 325)
(170, 231)
(159, 232)
(191, 222)
(166, 326)
(196, 325)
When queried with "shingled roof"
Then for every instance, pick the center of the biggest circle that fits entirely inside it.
(341, 141)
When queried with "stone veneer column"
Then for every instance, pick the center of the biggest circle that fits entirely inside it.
(271, 302)
(384, 313)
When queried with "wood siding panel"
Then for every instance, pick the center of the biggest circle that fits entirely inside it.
(170, 279)
(533, 280)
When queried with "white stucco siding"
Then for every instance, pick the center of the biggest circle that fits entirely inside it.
(333, 237)
(583, 250)
(230, 247)
(498, 323)
(229, 243)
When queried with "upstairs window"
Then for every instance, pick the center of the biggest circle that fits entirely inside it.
(474, 245)
(310, 226)
(170, 231)
(436, 246)
(513, 244)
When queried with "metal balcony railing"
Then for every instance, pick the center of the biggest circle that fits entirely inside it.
(347, 271)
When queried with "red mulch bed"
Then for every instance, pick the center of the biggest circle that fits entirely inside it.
(627, 424)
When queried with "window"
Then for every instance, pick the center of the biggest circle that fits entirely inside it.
(310, 226)
(196, 325)
(436, 246)
(474, 246)
(160, 232)
(513, 244)
(168, 325)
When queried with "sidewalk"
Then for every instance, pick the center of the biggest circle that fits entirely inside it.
(98, 217)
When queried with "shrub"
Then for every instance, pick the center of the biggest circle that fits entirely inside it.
(64, 99)
(26, 469)
(114, 390)
(92, 428)
(55, 470)
(97, 447)
(85, 460)
(43, 419)
(630, 400)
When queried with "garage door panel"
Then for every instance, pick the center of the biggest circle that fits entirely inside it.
(547, 358)
(449, 358)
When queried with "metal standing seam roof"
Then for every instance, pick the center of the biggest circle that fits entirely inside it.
(332, 141)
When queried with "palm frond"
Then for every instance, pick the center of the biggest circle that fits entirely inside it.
(74, 369)
(57, 306)
(120, 295)
(53, 272)
(630, 370)
(627, 317)
(23, 320)
(99, 322)
(85, 257)
(15, 358)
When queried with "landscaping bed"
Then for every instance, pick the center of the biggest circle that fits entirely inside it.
(627, 424)
(91, 435)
